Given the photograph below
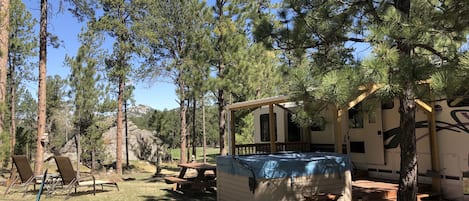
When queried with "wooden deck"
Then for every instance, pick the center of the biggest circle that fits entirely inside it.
(371, 190)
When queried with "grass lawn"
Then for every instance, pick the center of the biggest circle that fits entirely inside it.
(139, 184)
(211, 154)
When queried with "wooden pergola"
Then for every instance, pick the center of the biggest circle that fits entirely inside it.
(338, 135)
(255, 104)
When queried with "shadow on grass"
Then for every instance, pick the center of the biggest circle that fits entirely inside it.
(154, 179)
(63, 193)
(160, 178)
(186, 195)
(87, 192)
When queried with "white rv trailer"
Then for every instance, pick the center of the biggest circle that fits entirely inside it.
(370, 139)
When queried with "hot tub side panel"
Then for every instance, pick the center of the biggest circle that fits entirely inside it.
(296, 189)
(236, 188)
(242, 181)
(233, 187)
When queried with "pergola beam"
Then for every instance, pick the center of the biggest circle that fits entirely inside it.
(258, 103)
(338, 137)
(362, 96)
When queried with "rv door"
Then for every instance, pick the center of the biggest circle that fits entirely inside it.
(374, 142)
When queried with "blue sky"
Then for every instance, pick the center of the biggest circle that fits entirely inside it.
(158, 95)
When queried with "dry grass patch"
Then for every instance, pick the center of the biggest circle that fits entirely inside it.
(142, 186)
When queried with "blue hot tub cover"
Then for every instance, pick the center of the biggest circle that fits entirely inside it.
(288, 164)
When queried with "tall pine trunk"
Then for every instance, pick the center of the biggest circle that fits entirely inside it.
(41, 120)
(409, 167)
(4, 36)
(194, 137)
(78, 146)
(204, 149)
(183, 111)
(221, 91)
(222, 120)
(120, 98)
(12, 106)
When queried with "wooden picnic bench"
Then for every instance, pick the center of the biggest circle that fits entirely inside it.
(202, 181)
(178, 182)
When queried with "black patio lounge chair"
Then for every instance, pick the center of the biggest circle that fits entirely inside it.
(25, 174)
(71, 180)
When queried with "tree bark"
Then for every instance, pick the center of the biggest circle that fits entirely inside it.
(204, 149)
(12, 118)
(41, 120)
(194, 137)
(183, 111)
(120, 98)
(12, 106)
(78, 145)
(409, 167)
(222, 122)
(4, 36)
(221, 92)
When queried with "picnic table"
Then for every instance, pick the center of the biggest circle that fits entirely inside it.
(202, 181)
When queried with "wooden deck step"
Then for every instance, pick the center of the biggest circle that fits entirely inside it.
(373, 190)
(366, 190)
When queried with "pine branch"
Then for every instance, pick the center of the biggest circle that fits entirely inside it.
(432, 50)
(316, 44)
(372, 10)
(358, 40)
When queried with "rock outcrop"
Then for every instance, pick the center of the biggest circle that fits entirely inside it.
(142, 145)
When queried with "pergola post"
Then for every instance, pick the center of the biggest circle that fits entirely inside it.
(273, 148)
(232, 133)
(435, 153)
(434, 150)
(338, 132)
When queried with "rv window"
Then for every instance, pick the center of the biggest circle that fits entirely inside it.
(357, 147)
(265, 128)
(294, 130)
(355, 117)
(458, 102)
(387, 105)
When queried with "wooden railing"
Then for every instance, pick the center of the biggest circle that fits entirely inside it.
(263, 148)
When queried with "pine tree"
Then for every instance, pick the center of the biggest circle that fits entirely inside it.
(84, 87)
(405, 36)
(170, 29)
(41, 120)
(22, 45)
(4, 35)
(57, 110)
(240, 65)
(27, 121)
(117, 22)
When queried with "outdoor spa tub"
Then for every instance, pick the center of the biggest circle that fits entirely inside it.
(283, 176)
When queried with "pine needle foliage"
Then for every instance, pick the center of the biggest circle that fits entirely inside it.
(410, 42)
